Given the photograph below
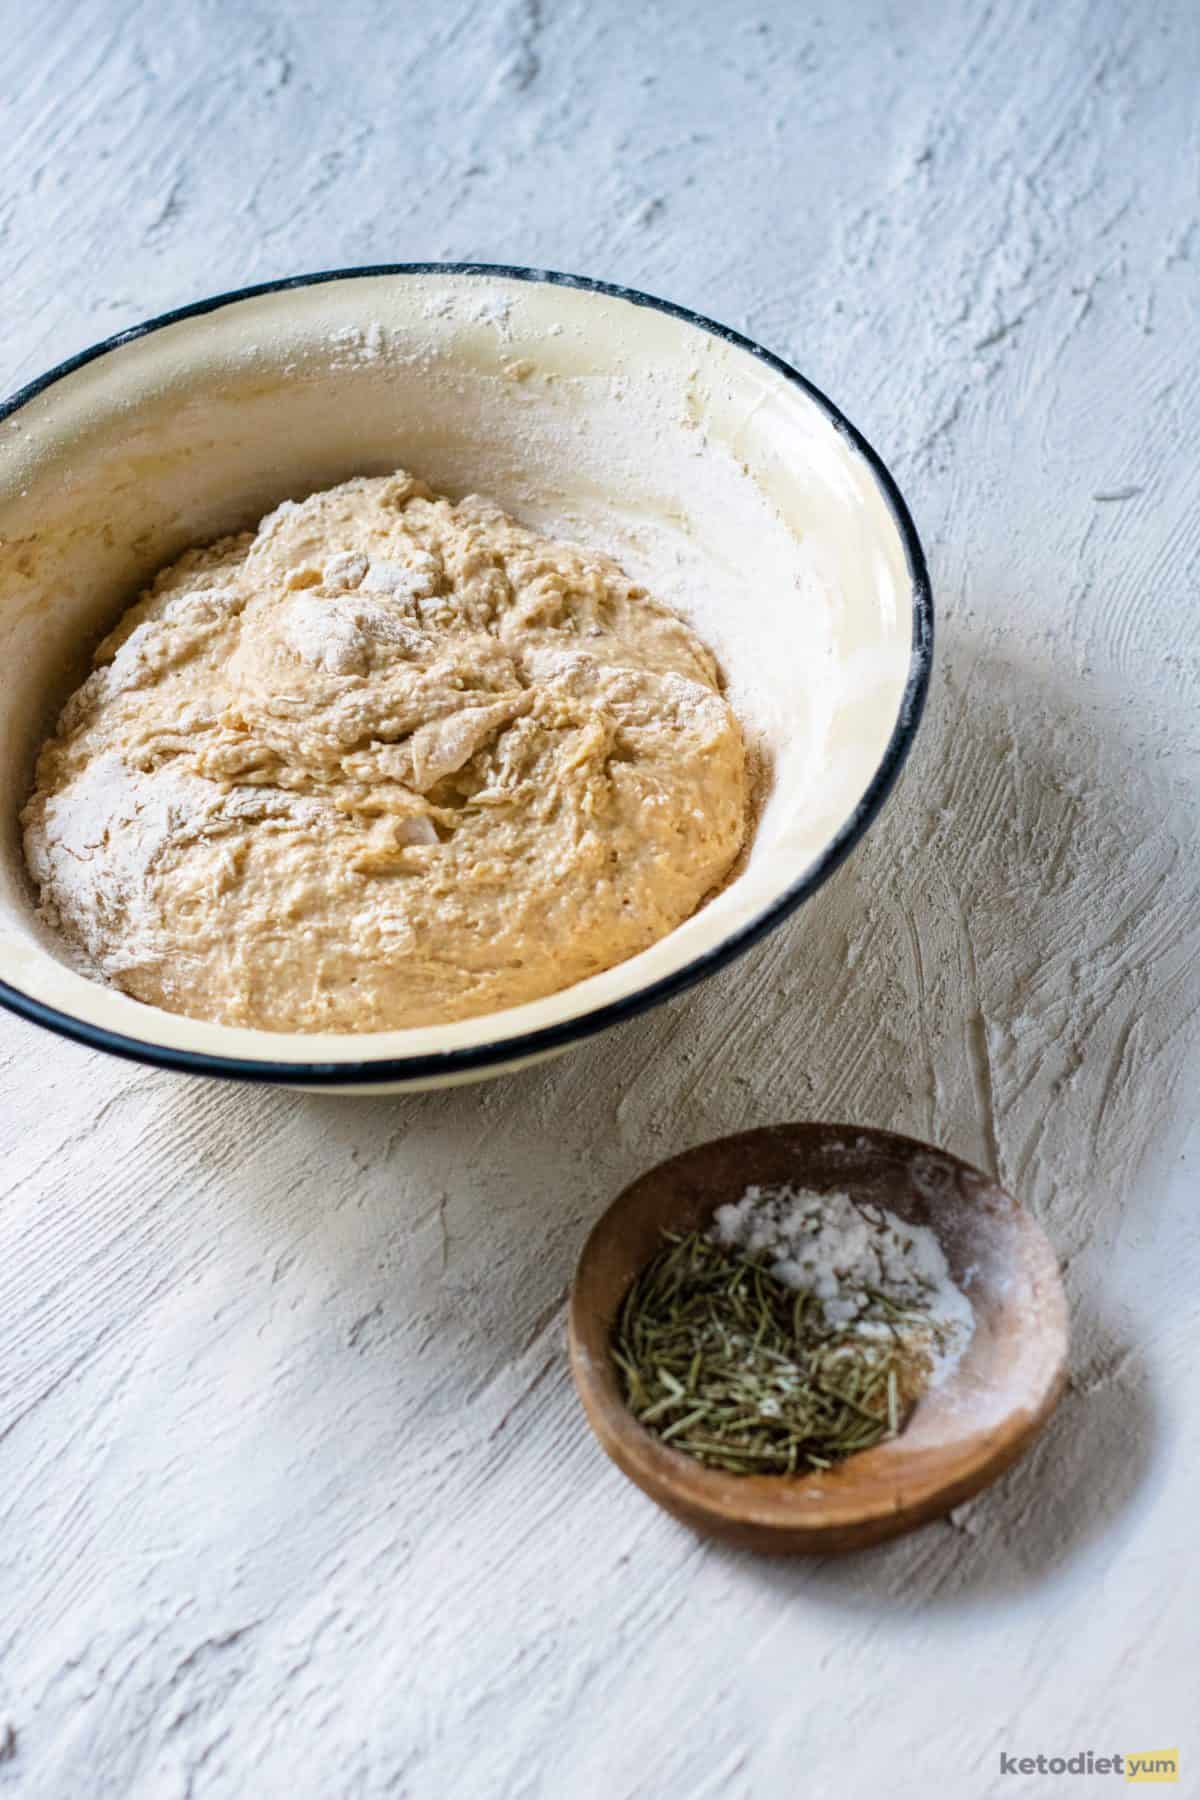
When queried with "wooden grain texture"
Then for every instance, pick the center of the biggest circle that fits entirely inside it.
(958, 1441)
(295, 1497)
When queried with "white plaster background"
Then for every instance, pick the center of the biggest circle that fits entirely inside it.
(294, 1495)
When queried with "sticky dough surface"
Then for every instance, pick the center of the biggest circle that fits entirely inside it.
(387, 761)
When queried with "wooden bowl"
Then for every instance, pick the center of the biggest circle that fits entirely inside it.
(960, 1437)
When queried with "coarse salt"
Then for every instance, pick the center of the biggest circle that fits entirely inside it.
(842, 1251)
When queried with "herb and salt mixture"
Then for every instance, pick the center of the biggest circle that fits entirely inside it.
(801, 1328)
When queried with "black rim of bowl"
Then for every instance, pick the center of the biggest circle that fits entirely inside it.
(449, 1063)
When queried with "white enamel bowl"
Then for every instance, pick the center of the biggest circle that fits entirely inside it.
(717, 475)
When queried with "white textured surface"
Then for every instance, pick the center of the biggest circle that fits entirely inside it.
(294, 1496)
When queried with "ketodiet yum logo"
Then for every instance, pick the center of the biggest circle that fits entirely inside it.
(1129, 1765)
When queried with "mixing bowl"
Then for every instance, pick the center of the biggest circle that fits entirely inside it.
(716, 474)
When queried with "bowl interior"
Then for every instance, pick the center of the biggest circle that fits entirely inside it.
(717, 480)
(961, 1435)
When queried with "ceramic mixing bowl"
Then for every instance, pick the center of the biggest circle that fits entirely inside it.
(716, 474)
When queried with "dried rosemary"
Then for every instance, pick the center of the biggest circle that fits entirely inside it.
(727, 1363)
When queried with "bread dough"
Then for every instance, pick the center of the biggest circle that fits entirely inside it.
(387, 761)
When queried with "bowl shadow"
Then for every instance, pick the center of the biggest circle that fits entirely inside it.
(1080, 1482)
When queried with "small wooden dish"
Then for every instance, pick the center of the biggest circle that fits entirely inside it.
(960, 1437)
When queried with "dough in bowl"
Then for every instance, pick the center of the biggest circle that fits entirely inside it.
(387, 761)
